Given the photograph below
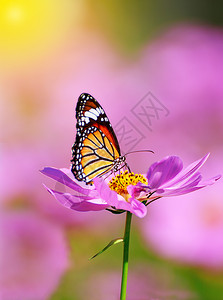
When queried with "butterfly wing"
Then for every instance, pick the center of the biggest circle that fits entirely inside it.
(96, 146)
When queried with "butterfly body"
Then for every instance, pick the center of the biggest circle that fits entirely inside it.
(96, 150)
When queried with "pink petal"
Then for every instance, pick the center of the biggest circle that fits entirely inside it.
(134, 206)
(185, 189)
(78, 203)
(163, 171)
(188, 182)
(61, 177)
(138, 208)
(110, 197)
(135, 190)
(211, 180)
(189, 171)
(104, 191)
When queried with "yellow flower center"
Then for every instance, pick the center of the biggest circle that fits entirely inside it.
(120, 182)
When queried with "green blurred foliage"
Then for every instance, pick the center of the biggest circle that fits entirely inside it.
(203, 284)
(130, 24)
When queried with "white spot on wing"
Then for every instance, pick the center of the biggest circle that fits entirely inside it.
(98, 111)
(95, 111)
(87, 120)
(91, 114)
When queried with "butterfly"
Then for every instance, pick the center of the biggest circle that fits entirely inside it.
(96, 150)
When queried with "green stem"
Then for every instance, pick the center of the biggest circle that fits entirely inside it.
(125, 256)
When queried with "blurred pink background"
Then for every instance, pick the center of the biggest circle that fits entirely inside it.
(51, 52)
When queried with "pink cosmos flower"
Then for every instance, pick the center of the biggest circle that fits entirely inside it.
(129, 191)
(33, 256)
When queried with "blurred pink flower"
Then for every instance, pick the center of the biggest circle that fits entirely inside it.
(188, 229)
(183, 68)
(165, 178)
(33, 256)
(19, 175)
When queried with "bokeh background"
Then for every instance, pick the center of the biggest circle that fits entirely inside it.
(132, 56)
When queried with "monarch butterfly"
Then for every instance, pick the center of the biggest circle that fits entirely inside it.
(96, 150)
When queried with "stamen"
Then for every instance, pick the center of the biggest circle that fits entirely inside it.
(120, 182)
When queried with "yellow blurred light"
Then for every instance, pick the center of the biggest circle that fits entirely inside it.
(14, 15)
(30, 29)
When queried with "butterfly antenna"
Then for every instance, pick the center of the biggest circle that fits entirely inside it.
(139, 151)
(127, 166)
